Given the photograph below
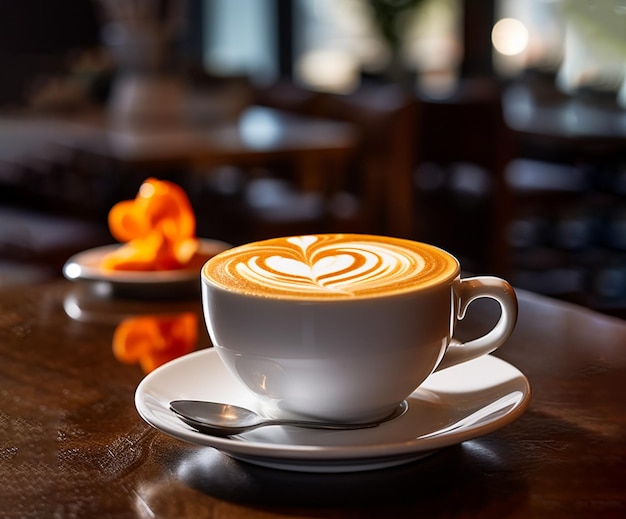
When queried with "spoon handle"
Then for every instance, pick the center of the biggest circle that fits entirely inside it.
(336, 426)
(226, 420)
(310, 424)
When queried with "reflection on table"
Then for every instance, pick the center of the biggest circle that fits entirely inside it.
(73, 442)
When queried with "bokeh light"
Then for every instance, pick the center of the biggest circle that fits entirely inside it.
(509, 37)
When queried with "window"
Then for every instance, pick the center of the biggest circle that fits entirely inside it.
(338, 40)
(239, 38)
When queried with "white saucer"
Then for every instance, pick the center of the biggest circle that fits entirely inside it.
(453, 405)
(86, 266)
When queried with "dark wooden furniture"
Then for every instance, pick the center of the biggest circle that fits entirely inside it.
(567, 194)
(464, 146)
(73, 445)
(92, 163)
(380, 172)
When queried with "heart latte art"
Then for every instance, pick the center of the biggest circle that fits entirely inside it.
(329, 266)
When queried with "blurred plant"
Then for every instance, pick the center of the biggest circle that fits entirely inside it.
(391, 17)
(594, 55)
(85, 82)
(139, 33)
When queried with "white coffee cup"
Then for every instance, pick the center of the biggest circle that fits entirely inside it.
(343, 327)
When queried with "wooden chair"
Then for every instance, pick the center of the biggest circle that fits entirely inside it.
(382, 170)
(462, 200)
(375, 194)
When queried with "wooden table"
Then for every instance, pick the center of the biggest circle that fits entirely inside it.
(567, 174)
(95, 162)
(316, 150)
(73, 445)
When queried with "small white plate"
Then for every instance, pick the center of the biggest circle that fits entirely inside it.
(86, 266)
(453, 405)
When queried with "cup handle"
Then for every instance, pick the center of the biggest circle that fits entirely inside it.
(469, 290)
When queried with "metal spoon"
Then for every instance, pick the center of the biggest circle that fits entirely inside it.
(224, 419)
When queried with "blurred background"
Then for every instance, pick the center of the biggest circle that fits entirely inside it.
(493, 128)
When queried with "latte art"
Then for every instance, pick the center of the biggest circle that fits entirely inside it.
(329, 266)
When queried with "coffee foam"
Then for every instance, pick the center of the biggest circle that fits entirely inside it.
(335, 266)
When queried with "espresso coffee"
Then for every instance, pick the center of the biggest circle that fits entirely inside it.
(330, 266)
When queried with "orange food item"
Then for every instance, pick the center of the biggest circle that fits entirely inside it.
(158, 228)
(154, 340)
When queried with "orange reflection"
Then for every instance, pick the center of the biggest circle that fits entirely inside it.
(153, 340)
(158, 228)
